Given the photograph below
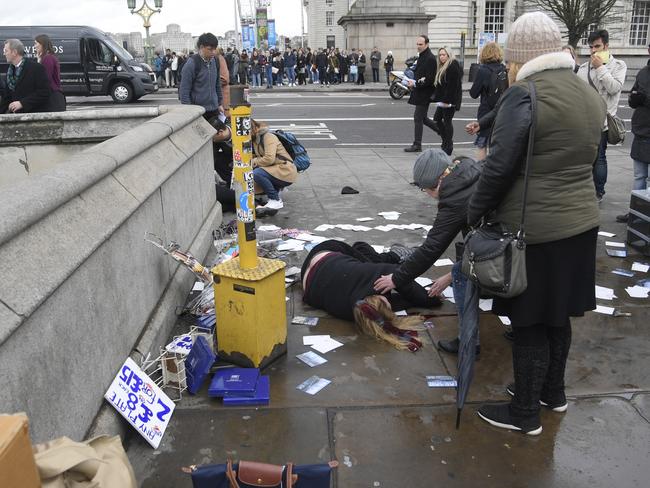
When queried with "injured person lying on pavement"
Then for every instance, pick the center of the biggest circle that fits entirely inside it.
(339, 278)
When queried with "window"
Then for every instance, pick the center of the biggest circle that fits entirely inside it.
(585, 39)
(640, 22)
(329, 18)
(329, 3)
(494, 17)
(331, 41)
(472, 25)
(98, 52)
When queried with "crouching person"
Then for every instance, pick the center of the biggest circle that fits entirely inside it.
(273, 168)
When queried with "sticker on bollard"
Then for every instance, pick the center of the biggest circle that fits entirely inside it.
(198, 364)
(139, 400)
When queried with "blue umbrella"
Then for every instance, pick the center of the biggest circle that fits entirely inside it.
(467, 347)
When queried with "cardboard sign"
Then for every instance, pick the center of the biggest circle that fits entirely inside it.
(139, 400)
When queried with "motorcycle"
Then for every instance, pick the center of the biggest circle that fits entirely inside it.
(398, 84)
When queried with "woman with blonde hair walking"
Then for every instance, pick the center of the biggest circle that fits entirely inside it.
(447, 96)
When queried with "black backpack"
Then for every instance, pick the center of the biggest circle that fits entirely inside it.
(498, 84)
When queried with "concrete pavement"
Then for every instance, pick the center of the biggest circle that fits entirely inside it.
(379, 418)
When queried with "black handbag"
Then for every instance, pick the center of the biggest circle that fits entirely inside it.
(494, 258)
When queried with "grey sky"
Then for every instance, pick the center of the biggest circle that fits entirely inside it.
(195, 16)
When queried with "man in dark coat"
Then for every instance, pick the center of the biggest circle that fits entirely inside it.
(422, 85)
(27, 87)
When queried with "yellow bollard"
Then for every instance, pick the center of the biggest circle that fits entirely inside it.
(248, 291)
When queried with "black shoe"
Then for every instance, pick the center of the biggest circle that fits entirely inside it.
(413, 148)
(452, 346)
(559, 405)
(509, 335)
(623, 218)
(501, 416)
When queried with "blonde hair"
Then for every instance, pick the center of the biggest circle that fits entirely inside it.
(513, 70)
(440, 73)
(491, 53)
(373, 316)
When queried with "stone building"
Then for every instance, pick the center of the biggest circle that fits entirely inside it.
(174, 39)
(322, 22)
(131, 41)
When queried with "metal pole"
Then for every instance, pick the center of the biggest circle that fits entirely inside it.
(237, 11)
(302, 25)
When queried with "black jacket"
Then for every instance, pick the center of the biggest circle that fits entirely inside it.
(425, 74)
(455, 191)
(321, 61)
(481, 86)
(450, 89)
(639, 100)
(32, 89)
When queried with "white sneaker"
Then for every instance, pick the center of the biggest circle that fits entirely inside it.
(272, 205)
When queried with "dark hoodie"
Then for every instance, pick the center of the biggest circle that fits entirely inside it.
(455, 191)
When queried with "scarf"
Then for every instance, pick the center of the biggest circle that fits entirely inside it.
(13, 74)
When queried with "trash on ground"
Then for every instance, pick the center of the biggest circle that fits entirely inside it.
(640, 267)
(313, 339)
(617, 253)
(301, 320)
(365, 219)
(240, 381)
(198, 286)
(422, 281)
(604, 310)
(606, 234)
(401, 313)
(623, 272)
(313, 385)
(444, 262)
(183, 257)
(141, 402)
(637, 291)
(614, 244)
(326, 345)
(604, 293)
(485, 304)
(378, 249)
(441, 382)
(311, 359)
(505, 320)
(393, 215)
(618, 313)
(293, 270)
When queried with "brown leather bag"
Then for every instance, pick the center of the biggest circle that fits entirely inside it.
(260, 475)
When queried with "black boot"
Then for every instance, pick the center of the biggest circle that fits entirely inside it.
(413, 148)
(559, 341)
(530, 365)
(451, 346)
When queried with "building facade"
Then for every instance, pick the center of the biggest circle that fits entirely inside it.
(322, 27)
(174, 39)
(131, 41)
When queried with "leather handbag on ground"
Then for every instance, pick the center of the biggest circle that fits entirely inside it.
(494, 258)
(246, 474)
(615, 125)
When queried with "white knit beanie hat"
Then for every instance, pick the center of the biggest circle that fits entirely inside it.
(532, 35)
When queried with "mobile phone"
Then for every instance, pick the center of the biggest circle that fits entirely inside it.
(604, 56)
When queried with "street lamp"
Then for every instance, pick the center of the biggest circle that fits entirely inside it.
(145, 12)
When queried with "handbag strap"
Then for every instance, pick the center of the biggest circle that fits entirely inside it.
(529, 154)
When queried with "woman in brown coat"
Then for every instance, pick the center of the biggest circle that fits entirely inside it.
(273, 168)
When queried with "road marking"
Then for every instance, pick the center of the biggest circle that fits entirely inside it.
(358, 119)
(318, 132)
(381, 144)
(325, 105)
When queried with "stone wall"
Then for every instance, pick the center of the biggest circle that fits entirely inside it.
(79, 287)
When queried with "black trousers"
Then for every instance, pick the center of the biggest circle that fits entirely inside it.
(375, 74)
(420, 118)
(444, 118)
(361, 80)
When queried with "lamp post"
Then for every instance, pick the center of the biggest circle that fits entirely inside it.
(145, 12)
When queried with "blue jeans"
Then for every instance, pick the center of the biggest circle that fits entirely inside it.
(269, 76)
(459, 285)
(269, 183)
(257, 79)
(600, 166)
(291, 74)
(641, 180)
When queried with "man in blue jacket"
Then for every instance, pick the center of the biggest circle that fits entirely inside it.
(200, 82)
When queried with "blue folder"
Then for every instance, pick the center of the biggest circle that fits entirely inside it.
(261, 396)
(234, 380)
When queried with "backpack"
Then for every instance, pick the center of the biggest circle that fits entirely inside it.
(296, 150)
(498, 84)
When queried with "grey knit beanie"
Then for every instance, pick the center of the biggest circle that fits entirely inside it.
(532, 35)
(429, 166)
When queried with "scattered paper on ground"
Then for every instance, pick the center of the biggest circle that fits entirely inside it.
(326, 345)
(268, 228)
(606, 234)
(292, 245)
(293, 270)
(614, 244)
(311, 359)
(379, 249)
(323, 227)
(605, 310)
(441, 382)
(390, 215)
(448, 292)
(401, 313)
(301, 320)
(505, 320)
(422, 281)
(605, 293)
(198, 286)
(444, 262)
(637, 291)
(313, 339)
(623, 272)
(313, 385)
(485, 304)
(640, 267)
(364, 219)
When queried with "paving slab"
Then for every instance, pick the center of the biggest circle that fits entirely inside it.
(420, 447)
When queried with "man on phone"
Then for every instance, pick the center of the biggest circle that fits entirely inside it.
(606, 75)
